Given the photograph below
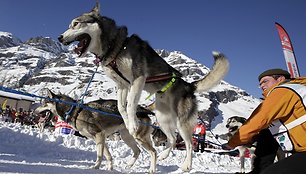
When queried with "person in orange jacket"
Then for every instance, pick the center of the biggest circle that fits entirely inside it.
(283, 113)
(199, 132)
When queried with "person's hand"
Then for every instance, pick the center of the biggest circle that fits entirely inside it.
(226, 147)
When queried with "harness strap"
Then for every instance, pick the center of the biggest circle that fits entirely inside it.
(152, 79)
(113, 64)
(75, 117)
(167, 86)
(161, 77)
(85, 92)
(296, 122)
(68, 114)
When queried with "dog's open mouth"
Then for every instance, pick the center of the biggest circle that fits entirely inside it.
(233, 129)
(84, 41)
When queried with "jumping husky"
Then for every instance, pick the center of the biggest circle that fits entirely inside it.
(98, 126)
(233, 124)
(134, 65)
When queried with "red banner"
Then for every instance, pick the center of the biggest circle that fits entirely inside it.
(288, 51)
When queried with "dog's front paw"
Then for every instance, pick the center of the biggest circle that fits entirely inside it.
(95, 167)
(131, 162)
(109, 166)
(164, 154)
(186, 166)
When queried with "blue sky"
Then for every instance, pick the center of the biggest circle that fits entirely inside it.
(243, 30)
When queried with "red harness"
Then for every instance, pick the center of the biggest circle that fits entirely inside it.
(151, 79)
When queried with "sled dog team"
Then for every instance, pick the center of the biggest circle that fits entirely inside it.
(134, 65)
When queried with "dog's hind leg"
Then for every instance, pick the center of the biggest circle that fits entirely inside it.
(242, 158)
(186, 111)
(130, 141)
(100, 142)
(252, 153)
(185, 131)
(146, 143)
(167, 125)
(132, 102)
(108, 158)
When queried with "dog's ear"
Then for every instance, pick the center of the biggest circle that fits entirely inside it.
(96, 9)
(50, 94)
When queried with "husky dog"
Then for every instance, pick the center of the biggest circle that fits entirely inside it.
(233, 124)
(98, 126)
(159, 138)
(44, 118)
(134, 65)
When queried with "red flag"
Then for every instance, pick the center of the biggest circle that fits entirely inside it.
(288, 51)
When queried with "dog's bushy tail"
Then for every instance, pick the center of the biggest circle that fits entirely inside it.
(217, 73)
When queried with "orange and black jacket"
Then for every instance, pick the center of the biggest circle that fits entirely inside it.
(279, 104)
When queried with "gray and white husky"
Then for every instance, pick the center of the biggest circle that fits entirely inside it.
(98, 126)
(233, 124)
(134, 65)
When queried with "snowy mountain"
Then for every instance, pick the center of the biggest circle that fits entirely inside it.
(42, 63)
(8, 40)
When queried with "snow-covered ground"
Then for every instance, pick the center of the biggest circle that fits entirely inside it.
(24, 149)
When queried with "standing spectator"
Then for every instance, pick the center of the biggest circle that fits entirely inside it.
(199, 132)
(18, 115)
(13, 114)
(1, 115)
(7, 114)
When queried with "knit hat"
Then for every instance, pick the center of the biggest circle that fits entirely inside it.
(276, 71)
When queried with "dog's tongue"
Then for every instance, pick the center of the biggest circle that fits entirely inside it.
(78, 50)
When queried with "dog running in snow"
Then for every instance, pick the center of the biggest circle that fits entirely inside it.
(98, 126)
(134, 65)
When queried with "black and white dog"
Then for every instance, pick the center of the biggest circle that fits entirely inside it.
(134, 65)
(233, 124)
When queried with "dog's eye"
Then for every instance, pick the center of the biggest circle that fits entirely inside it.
(75, 24)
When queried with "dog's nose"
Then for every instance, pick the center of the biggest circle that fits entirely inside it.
(60, 38)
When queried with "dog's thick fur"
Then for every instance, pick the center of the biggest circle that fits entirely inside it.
(44, 118)
(158, 137)
(131, 62)
(97, 126)
(233, 124)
